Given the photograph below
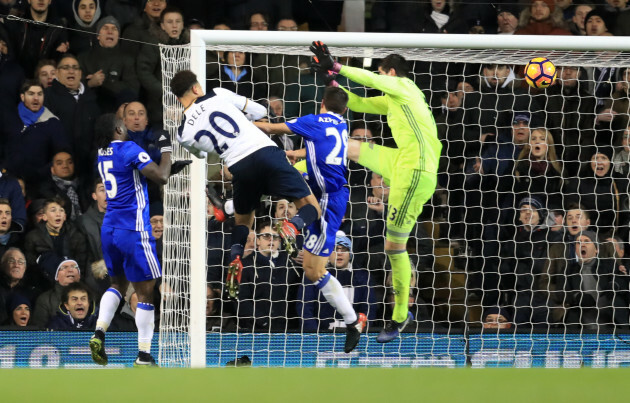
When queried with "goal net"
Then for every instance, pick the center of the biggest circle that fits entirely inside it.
(518, 258)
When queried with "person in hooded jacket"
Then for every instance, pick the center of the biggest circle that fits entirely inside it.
(86, 15)
(526, 262)
(596, 189)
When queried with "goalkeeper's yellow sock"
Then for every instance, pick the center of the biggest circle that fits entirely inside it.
(401, 277)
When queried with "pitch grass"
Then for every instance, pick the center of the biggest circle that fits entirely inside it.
(254, 385)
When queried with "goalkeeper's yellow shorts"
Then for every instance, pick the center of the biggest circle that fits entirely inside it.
(409, 187)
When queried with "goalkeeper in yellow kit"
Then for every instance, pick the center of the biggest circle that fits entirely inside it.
(410, 170)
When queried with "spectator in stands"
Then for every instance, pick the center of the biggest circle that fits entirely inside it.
(19, 311)
(276, 105)
(156, 217)
(258, 21)
(567, 7)
(77, 311)
(593, 297)
(621, 174)
(86, 15)
(507, 18)
(537, 170)
(598, 22)
(571, 117)
(526, 258)
(76, 106)
(32, 42)
(236, 75)
(96, 276)
(499, 98)
(125, 11)
(596, 189)
(51, 240)
(484, 178)
(171, 31)
(542, 17)
(498, 159)
(616, 6)
(285, 209)
(496, 318)
(621, 96)
(317, 314)
(142, 29)
(268, 286)
(109, 71)
(34, 134)
(622, 25)
(459, 135)
(14, 277)
(11, 232)
(46, 72)
(576, 25)
(10, 190)
(279, 70)
(441, 17)
(146, 136)
(63, 183)
(48, 303)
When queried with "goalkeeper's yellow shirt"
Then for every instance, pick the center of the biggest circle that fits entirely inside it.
(408, 116)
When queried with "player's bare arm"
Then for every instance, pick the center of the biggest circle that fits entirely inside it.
(273, 128)
(159, 173)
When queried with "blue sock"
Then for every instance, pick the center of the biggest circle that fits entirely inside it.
(239, 238)
(304, 217)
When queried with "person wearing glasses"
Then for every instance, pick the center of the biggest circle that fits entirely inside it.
(258, 21)
(268, 286)
(13, 279)
(77, 107)
(47, 304)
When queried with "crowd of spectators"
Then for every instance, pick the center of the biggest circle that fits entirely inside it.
(533, 186)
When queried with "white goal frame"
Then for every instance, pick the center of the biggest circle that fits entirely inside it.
(200, 39)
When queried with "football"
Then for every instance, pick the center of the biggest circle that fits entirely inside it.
(540, 72)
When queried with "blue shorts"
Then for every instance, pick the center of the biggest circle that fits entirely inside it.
(319, 238)
(130, 253)
(265, 172)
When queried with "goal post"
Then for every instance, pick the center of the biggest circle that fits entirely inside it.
(183, 315)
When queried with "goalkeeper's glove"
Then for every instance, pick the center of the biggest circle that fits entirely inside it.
(177, 166)
(323, 61)
(164, 144)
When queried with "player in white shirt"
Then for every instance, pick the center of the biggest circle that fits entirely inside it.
(220, 122)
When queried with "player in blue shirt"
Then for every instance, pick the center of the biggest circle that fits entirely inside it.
(326, 137)
(127, 243)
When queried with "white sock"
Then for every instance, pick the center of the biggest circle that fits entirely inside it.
(109, 304)
(144, 322)
(333, 291)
